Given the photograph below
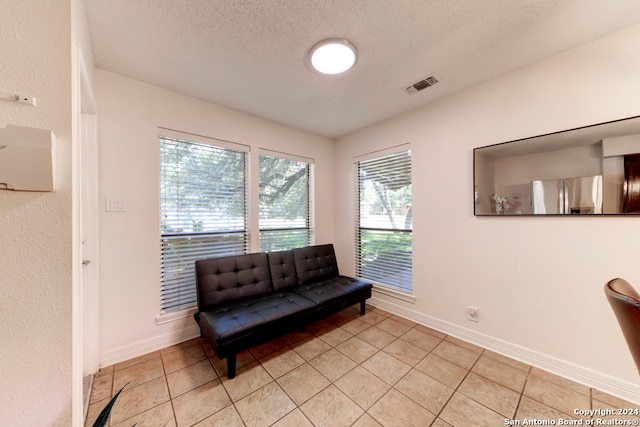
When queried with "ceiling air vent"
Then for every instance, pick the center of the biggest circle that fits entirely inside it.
(421, 85)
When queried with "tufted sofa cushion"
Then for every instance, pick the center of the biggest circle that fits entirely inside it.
(283, 269)
(314, 263)
(225, 279)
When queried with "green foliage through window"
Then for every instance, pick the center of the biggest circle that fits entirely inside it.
(284, 203)
(384, 220)
(202, 212)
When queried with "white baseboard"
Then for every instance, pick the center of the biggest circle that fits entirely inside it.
(605, 383)
(147, 346)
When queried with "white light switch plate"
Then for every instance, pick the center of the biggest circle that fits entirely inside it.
(114, 204)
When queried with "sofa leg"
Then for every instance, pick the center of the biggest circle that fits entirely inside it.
(362, 307)
(231, 366)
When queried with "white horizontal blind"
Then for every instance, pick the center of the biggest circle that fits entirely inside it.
(384, 220)
(203, 212)
(284, 202)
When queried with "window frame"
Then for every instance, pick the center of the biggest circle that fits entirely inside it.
(170, 311)
(309, 220)
(390, 289)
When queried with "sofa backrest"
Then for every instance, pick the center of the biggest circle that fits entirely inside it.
(225, 279)
(315, 263)
(283, 269)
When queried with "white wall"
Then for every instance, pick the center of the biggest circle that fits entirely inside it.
(36, 227)
(129, 115)
(538, 282)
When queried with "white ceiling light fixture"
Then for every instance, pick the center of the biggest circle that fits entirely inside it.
(333, 56)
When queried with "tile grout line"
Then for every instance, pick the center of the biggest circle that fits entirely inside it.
(219, 378)
(459, 384)
(359, 364)
(166, 381)
(391, 386)
(331, 382)
(521, 394)
(401, 378)
(412, 368)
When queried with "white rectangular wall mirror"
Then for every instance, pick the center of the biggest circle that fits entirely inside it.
(592, 170)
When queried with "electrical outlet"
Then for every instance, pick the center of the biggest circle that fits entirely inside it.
(473, 314)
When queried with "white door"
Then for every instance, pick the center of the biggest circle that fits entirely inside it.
(90, 271)
(88, 193)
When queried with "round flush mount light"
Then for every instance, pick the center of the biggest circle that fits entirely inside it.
(333, 56)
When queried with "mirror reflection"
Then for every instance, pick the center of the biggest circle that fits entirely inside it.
(591, 170)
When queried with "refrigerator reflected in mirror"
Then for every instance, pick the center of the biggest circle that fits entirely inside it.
(571, 196)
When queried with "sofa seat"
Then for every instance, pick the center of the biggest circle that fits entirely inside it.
(245, 317)
(330, 289)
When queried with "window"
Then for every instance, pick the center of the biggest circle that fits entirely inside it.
(284, 203)
(383, 220)
(203, 209)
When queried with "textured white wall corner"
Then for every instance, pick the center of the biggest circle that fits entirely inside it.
(36, 228)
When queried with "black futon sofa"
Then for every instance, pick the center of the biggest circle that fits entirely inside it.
(245, 300)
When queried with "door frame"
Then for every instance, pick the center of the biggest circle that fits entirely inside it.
(88, 183)
(85, 228)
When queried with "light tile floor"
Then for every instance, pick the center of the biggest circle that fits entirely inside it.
(348, 370)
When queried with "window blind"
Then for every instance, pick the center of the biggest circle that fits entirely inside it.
(284, 203)
(384, 220)
(203, 212)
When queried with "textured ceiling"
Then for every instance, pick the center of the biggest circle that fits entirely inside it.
(250, 55)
